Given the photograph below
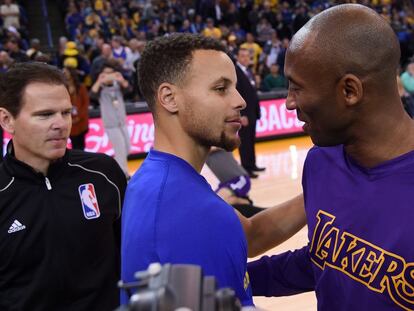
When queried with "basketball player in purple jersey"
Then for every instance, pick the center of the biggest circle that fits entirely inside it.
(359, 178)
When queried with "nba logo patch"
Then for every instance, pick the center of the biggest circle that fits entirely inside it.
(89, 201)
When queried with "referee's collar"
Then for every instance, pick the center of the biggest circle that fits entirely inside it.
(19, 168)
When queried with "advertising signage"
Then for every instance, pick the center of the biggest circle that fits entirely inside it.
(275, 121)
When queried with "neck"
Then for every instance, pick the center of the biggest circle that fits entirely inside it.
(182, 146)
(37, 165)
(383, 140)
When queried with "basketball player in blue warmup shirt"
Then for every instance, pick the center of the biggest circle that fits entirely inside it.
(359, 179)
(171, 214)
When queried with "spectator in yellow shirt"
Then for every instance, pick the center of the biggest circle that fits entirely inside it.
(99, 6)
(210, 30)
(254, 49)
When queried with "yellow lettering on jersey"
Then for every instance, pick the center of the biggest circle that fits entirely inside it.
(379, 270)
(246, 281)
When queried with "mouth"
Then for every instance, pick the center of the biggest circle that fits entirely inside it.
(305, 126)
(298, 115)
(57, 139)
(235, 121)
(300, 119)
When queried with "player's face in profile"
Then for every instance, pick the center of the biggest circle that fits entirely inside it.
(41, 129)
(210, 104)
(313, 93)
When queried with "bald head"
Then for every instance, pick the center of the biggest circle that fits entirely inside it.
(106, 50)
(350, 38)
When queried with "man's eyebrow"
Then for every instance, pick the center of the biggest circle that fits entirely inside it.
(46, 111)
(43, 111)
(224, 80)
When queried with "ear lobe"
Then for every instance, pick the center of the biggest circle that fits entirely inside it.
(352, 89)
(6, 121)
(166, 97)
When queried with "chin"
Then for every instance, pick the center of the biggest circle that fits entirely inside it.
(57, 154)
(230, 144)
(324, 142)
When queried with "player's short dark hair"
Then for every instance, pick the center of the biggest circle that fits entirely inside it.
(166, 59)
(14, 82)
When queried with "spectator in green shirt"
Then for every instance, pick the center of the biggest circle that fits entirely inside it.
(274, 80)
(407, 78)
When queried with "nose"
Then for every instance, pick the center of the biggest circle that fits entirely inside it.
(291, 102)
(62, 121)
(239, 101)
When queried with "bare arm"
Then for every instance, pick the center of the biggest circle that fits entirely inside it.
(273, 226)
(123, 82)
(16, 12)
(97, 85)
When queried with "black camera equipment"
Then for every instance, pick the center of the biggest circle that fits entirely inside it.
(174, 287)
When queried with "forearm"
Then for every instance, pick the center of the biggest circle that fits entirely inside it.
(7, 14)
(95, 88)
(124, 84)
(284, 274)
(273, 226)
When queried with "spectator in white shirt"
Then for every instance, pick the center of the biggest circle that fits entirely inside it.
(10, 14)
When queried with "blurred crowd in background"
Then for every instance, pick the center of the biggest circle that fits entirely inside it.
(100, 30)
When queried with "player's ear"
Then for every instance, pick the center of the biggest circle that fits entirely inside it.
(167, 97)
(7, 120)
(351, 88)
